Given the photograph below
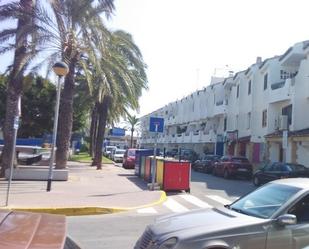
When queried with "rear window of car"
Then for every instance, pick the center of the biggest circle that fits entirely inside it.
(119, 152)
(240, 160)
(131, 152)
(295, 167)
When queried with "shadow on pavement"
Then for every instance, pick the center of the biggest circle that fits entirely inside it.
(232, 187)
(136, 180)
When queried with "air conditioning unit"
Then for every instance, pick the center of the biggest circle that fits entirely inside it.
(283, 122)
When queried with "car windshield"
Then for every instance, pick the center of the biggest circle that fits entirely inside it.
(131, 152)
(119, 152)
(264, 201)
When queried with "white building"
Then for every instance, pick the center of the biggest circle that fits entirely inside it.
(244, 114)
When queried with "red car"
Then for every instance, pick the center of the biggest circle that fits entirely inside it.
(231, 166)
(129, 159)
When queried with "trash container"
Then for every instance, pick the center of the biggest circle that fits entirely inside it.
(147, 172)
(139, 154)
(173, 174)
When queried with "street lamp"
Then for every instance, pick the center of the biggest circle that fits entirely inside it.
(61, 69)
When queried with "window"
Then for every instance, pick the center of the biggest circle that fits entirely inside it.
(301, 210)
(249, 87)
(265, 81)
(264, 118)
(225, 123)
(288, 112)
(248, 120)
(237, 93)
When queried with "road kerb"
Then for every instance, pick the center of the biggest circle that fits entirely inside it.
(78, 211)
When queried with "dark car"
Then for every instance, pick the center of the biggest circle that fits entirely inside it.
(231, 166)
(205, 164)
(129, 159)
(277, 170)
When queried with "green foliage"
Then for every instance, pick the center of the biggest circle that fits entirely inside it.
(37, 107)
(38, 104)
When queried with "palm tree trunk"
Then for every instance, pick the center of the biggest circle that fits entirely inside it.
(132, 130)
(93, 130)
(65, 118)
(103, 112)
(15, 86)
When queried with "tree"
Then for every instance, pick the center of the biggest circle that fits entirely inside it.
(23, 53)
(118, 81)
(77, 21)
(132, 121)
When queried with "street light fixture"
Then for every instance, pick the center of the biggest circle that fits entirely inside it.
(61, 69)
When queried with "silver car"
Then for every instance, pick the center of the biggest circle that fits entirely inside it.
(274, 216)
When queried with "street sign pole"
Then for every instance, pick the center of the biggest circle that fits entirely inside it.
(16, 124)
(154, 167)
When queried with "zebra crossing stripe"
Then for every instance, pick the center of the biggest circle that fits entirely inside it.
(149, 210)
(219, 199)
(174, 206)
(194, 200)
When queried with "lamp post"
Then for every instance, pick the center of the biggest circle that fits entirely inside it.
(61, 69)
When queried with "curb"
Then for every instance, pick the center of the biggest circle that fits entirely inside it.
(78, 211)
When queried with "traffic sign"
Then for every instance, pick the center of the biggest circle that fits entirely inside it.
(156, 124)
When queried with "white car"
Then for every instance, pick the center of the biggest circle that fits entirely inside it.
(118, 155)
(108, 151)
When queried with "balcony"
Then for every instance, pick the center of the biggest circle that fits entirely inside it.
(281, 91)
(219, 108)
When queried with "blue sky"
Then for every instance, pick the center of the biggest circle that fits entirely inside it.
(185, 42)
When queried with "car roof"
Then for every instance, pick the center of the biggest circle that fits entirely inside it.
(302, 183)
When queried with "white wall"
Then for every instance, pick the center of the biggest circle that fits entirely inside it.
(303, 154)
(274, 152)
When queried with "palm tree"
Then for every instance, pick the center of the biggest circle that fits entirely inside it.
(23, 53)
(133, 121)
(118, 82)
(77, 22)
(67, 39)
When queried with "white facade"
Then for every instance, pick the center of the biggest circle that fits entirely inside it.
(245, 112)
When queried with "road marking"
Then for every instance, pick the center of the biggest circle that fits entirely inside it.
(219, 199)
(174, 206)
(196, 201)
(149, 210)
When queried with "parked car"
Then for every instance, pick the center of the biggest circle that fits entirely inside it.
(205, 164)
(129, 159)
(277, 170)
(273, 216)
(118, 155)
(26, 230)
(187, 154)
(108, 151)
(231, 166)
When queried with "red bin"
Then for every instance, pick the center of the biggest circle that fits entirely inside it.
(176, 175)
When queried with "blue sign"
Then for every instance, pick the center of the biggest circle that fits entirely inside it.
(119, 132)
(156, 124)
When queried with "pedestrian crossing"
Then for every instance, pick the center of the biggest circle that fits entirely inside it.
(186, 202)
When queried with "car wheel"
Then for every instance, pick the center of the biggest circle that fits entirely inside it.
(256, 181)
(226, 174)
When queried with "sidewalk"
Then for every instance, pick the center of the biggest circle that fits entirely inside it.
(88, 191)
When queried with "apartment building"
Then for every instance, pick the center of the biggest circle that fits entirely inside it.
(259, 113)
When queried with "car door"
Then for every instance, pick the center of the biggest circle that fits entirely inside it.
(270, 172)
(292, 236)
(221, 165)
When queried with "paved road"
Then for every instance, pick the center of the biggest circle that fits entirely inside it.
(123, 229)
